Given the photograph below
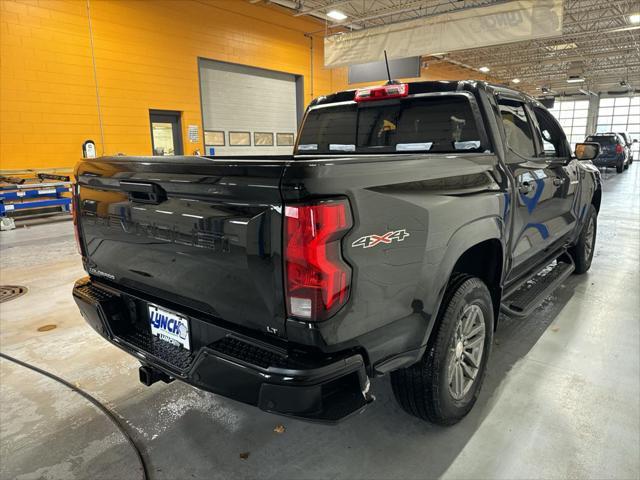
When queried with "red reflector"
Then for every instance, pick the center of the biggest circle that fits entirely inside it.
(382, 93)
(619, 148)
(317, 278)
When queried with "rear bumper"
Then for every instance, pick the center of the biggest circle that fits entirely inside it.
(318, 387)
(608, 161)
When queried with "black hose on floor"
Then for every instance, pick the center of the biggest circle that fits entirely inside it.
(91, 399)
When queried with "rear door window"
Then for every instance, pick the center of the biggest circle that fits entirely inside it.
(430, 124)
(602, 139)
(517, 127)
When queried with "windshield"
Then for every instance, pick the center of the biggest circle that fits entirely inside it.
(442, 124)
(602, 139)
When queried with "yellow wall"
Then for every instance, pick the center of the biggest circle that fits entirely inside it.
(146, 58)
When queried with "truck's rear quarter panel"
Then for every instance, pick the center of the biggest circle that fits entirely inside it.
(396, 286)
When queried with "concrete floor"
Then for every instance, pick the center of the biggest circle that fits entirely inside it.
(561, 399)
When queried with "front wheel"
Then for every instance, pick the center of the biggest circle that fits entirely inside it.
(444, 385)
(582, 251)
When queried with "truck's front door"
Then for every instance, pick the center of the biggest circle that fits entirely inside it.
(538, 203)
(560, 162)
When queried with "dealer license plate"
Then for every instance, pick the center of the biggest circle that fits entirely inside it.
(169, 326)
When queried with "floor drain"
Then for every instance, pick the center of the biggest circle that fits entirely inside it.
(46, 328)
(9, 292)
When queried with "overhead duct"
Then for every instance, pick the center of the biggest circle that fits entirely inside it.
(459, 30)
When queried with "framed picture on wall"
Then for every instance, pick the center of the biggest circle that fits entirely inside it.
(239, 139)
(263, 139)
(214, 138)
(284, 139)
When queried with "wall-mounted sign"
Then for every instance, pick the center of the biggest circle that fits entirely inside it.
(89, 149)
(373, 71)
(495, 24)
(194, 134)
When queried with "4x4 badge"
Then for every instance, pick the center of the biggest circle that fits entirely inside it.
(369, 241)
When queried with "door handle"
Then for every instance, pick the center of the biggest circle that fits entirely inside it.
(144, 192)
(525, 187)
(557, 181)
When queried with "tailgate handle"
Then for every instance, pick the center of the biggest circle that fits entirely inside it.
(143, 192)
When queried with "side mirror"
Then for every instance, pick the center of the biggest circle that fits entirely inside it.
(587, 151)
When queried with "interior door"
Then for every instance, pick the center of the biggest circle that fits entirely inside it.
(166, 132)
(537, 204)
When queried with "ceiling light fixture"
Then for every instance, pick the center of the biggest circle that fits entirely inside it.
(635, 18)
(336, 15)
(484, 69)
(575, 80)
(439, 54)
(516, 80)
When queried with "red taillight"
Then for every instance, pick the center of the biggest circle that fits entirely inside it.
(382, 93)
(317, 279)
(619, 148)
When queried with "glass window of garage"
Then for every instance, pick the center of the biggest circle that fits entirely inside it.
(572, 116)
(621, 114)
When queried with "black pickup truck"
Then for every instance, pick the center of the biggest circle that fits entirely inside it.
(408, 218)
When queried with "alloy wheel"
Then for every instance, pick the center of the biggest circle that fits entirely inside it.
(465, 351)
(589, 238)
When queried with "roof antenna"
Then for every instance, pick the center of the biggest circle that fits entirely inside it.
(386, 62)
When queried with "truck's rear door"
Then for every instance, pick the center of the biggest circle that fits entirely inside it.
(198, 232)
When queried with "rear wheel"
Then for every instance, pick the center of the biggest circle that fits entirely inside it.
(444, 385)
(626, 165)
(582, 251)
(620, 166)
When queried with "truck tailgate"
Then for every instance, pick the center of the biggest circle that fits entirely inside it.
(209, 239)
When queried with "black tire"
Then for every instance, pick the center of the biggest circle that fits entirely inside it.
(582, 251)
(626, 166)
(424, 389)
(620, 166)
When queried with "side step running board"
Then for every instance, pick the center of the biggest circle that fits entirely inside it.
(523, 301)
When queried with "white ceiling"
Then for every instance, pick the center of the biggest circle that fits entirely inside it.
(598, 39)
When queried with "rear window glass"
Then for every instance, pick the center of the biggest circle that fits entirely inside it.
(436, 124)
(602, 139)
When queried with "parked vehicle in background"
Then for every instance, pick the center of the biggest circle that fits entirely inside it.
(613, 151)
(408, 217)
(629, 142)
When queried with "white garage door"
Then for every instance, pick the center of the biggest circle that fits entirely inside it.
(621, 114)
(246, 110)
